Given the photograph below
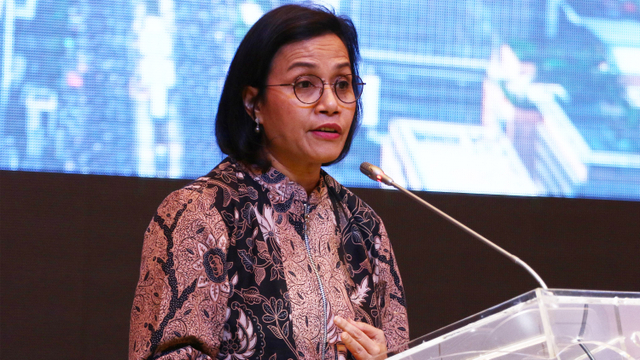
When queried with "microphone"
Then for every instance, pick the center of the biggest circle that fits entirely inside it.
(375, 173)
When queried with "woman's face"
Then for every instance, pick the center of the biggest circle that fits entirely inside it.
(304, 136)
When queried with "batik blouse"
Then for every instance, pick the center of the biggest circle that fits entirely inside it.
(241, 264)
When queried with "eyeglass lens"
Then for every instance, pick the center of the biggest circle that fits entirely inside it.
(309, 88)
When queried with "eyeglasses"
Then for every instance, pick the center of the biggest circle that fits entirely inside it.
(309, 88)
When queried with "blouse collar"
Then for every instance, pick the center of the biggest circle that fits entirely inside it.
(280, 185)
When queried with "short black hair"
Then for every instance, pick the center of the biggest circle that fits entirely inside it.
(251, 65)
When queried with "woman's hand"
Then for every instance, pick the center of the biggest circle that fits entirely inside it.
(362, 340)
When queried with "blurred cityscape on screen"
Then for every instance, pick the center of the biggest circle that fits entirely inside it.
(512, 97)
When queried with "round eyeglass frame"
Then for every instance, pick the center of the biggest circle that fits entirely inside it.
(356, 80)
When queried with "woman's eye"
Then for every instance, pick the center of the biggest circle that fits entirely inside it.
(342, 85)
(304, 84)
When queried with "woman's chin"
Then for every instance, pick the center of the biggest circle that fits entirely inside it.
(328, 159)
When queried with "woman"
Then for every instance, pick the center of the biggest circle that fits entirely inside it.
(268, 256)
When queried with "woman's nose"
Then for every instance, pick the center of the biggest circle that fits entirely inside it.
(328, 102)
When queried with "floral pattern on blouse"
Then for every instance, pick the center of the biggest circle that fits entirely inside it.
(241, 264)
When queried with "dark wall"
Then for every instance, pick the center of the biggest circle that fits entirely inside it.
(70, 248)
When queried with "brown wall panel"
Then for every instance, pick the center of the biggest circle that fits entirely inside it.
(70, 249)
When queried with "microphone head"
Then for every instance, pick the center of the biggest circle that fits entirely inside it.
(365, 168)
(375, 173)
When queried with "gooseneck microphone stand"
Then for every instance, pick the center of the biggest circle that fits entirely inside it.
(376, 174)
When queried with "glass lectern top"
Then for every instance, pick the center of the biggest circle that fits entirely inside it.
(541, 324)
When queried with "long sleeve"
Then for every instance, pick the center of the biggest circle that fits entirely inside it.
(181, 298)
(392, 297)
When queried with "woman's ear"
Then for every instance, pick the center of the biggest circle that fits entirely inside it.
(249, 98)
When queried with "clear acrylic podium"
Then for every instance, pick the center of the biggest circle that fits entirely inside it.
(540, 324)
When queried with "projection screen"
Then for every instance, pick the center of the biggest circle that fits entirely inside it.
(510, 97)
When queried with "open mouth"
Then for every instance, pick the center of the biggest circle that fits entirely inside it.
(326, 129)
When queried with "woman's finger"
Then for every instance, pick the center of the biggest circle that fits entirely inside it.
(354, 347)
(358, 341)
(372, 332)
